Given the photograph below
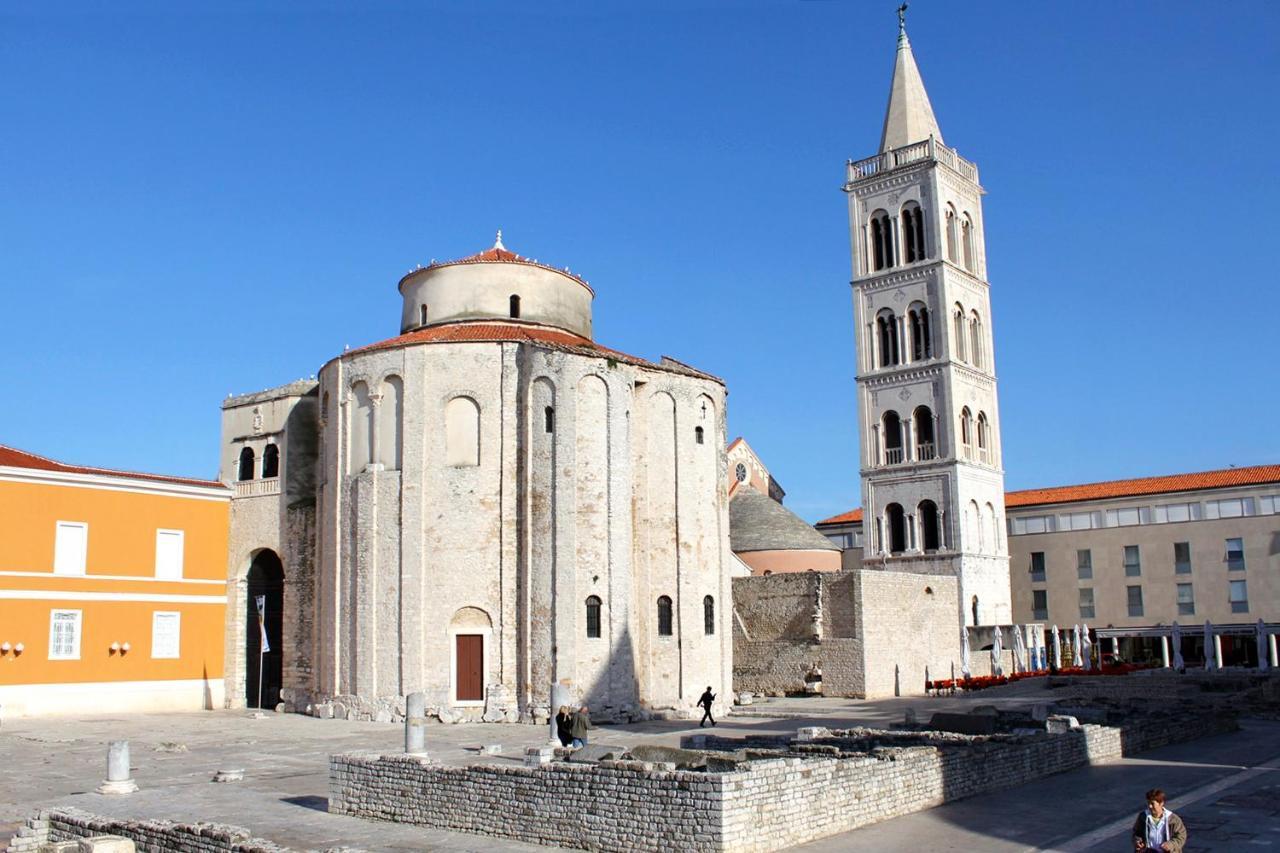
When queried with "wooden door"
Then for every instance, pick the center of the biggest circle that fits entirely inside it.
(470, 667)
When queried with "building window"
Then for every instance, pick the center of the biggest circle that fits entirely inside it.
(593, 616)
(64, 635)
(966, 238)
(1084, 564)
(1235, 554)
(887, 330)
(1173, 513)
(1186, 600)
(1037, 566)
(881, 241)
(975, 340)
(270, 461)
(169, 547)
(927, 513)
(897, 528)
(926, 449)
(740, 471)
(1086, 602)
(549, 419)
(422, 315)
(698, 435)
(664, 616)
(1125, 517)
(70, 547)
(1132, 562)
(246, 464)
(984, 451)
(1135, 600)
(966, 432)
(958, 332)
(952, 254)
(708, 615)
(1239, 596)
(1229, 508)
(892, 430)
(1182, 558)
(1039, 604)
(913, 232)
(165, 633)
(515, 306)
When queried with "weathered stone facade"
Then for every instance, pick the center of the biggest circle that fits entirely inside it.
(496, 505)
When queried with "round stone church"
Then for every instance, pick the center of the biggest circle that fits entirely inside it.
(482, 507)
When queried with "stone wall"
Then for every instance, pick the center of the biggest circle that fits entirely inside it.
(154, 836)
(910, 627)
(765, 804)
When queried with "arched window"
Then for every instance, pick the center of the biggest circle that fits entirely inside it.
(912, 232)
(897, 528)
(593, 616)
(966, 432)
(664, 616)
(921, 339)
(708, 615)
(927, 512)
(462, 432)
(974, 522)
(549, 419)
(925, 447)
(390, 423)
(881, 241)
(698, 435)
(422, 318)
(984, 451)
(966, 239)
(994, 525)
(270, 461)
(246, 464)
(892, 428)
(515, 306)
(360, 428)
(887, 331)
(975, 339)
(952, 237)
(957, 316)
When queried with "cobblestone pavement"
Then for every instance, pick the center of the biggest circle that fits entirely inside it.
(284, 794)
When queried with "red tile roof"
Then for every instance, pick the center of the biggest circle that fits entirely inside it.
(1225, 478)
(14, 458)
(1254, 475)
(501, 255)
(513, 331)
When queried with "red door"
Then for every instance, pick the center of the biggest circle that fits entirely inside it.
(470, 667)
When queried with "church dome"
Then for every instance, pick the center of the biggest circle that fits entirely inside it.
(496, 284)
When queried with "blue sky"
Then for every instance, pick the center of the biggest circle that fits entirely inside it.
(204, 199)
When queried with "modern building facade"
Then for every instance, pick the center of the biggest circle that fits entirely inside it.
(482, 506)
(112, 593)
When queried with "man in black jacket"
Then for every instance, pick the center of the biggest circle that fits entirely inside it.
(705, 704)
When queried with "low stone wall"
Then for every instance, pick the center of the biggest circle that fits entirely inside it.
(153, 836)
(766, 804)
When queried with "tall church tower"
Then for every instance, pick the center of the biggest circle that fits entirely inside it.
(932, 481)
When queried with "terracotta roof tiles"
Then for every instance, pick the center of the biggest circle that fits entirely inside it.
(11, 457)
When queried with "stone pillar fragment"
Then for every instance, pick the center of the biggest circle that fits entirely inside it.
(415, 724)
(118, 780)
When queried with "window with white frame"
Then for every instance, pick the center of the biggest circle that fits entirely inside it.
(1182, 558)
(1269, 504)
(1077, 521)
(169, 546)
(1084, 563)
(70, 547)
(64, 635)
(1124, 517)
(1032, 524)
(1174, 513)
(1186, 600)
(1228, 508)
(1239, 596)
(166, 632)
(1132, 561)
(1086, 602)
(1235, 554)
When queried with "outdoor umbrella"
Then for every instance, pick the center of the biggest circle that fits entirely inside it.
(1262, 646)
(996, 648)
(1057, 648)
(1210, 653)
(1178, 663)
(964, 651)
(1019, 650)
(1086, 646)
(1076, 660)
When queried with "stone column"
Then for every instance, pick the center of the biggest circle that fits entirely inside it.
(118, 779)
(1164, 652)
(415, 724)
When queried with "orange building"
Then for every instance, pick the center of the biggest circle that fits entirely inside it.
(112, 589)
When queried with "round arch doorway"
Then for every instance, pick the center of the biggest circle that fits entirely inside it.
(264, 669)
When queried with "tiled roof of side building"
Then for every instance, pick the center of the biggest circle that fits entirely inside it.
(469, 331)
(12, 457)
(1254, 475)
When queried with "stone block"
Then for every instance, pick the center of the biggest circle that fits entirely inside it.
(105, 844)
(491, 749)
(594, 752)
(684, 759)
(746, 697)
(963, 724)
(60, 847)
(536, 756)
(1059, 723)
(812, 732)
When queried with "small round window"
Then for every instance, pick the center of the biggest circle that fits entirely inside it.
(741, 471)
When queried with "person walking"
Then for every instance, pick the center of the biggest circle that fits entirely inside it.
(564, 723)
(1157, 828)
(579, 727)
(705, 704)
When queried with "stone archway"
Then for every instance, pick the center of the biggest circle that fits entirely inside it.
(265, 579)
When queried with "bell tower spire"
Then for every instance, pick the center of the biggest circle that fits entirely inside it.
(909, 116)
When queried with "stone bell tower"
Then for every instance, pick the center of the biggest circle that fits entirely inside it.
(932, 481)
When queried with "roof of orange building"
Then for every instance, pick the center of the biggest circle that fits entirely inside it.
(1253, 475)
(512, 331)
(500, 254)
(12, 457)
